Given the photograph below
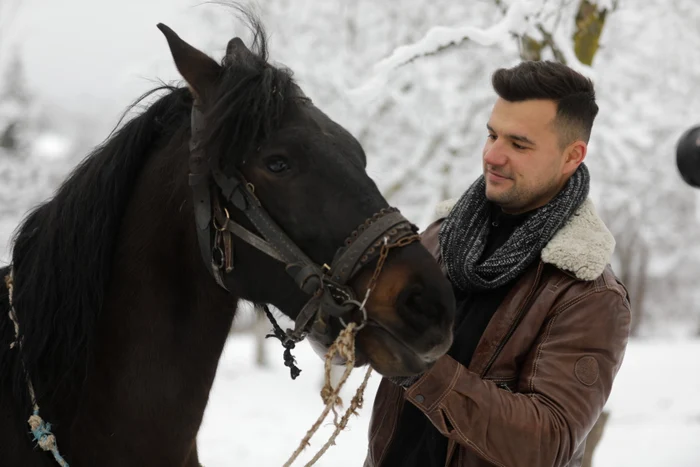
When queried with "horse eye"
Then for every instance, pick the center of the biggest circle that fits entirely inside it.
(277, 164)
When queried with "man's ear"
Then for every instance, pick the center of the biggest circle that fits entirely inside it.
(574, 155)
(199, 70)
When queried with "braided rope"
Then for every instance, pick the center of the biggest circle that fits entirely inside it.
(41, 430)
(344, 346)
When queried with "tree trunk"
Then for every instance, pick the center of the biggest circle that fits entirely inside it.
(590, 20)
(639, 288)
(589, 26)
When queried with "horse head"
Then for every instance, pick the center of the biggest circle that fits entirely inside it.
(287, 214)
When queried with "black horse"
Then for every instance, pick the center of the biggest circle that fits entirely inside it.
(127, 280)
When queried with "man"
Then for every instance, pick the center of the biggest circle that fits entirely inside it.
(542, 322)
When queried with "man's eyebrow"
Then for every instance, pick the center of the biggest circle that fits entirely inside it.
(522, 139)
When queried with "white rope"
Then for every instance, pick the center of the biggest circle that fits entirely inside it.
(40, 429)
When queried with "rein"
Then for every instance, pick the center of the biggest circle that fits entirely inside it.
(327, 286)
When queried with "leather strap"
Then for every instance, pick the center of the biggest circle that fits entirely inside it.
(344, 266)
(299, 265)
(305, 318)
(250, 238)
(201, 195)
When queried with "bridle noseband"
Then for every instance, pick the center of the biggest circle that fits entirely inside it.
(327, 285)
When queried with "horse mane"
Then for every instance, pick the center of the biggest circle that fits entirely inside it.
(252, 87)
(63, 250)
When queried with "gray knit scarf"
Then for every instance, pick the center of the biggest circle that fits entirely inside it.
(464, 232)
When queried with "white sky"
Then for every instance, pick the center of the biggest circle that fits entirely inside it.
(89, 55)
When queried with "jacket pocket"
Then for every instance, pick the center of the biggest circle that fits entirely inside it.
(506, 384)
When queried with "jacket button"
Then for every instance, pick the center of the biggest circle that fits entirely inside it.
(420, 399)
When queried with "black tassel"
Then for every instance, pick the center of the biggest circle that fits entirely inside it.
(287, 343)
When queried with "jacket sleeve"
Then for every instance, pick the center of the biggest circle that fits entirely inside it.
(564, 384)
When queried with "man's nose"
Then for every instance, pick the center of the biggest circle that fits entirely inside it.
(494, 155)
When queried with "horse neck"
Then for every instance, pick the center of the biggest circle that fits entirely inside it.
(158, 266)
(165, 321)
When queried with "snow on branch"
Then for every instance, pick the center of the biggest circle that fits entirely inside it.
(439, 38)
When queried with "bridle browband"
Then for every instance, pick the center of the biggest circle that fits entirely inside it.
(327, 286)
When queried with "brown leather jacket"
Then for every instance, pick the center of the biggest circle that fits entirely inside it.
(542, 371)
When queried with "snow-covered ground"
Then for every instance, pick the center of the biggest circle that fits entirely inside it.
(256, 416)
(655, 408)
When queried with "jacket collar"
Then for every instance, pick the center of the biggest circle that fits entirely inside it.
(583, 246)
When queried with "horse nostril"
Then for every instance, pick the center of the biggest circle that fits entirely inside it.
(414, 303)
(427, 315)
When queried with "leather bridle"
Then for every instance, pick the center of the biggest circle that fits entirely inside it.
(330, 295)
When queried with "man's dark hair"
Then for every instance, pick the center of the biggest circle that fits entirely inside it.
(573, 93)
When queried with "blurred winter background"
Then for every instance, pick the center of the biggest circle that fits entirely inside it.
(411, 80)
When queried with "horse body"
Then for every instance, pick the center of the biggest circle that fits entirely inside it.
(121, 322)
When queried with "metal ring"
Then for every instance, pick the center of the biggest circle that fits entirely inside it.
(219, 264)
(364, 314)
(221, 228)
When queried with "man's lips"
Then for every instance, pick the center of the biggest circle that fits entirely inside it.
(493, 176)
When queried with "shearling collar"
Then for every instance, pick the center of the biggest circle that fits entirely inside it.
(583, 246)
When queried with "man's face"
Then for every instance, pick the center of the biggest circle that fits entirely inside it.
(524, 163)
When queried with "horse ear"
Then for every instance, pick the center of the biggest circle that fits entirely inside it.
(236, 50)
(199, 70)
